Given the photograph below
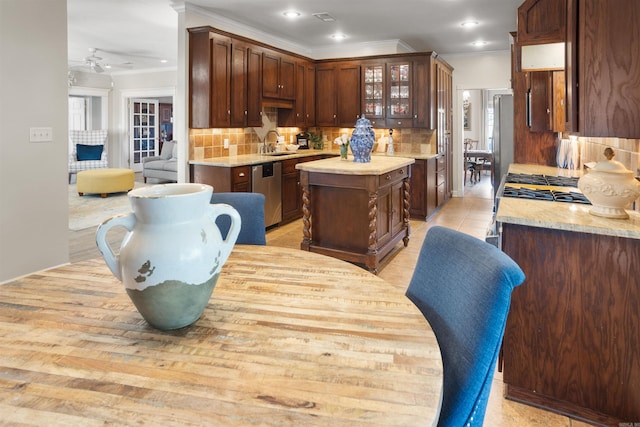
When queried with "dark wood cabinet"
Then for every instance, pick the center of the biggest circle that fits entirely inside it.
(254, 87)
(423, 188)
(310, 94)
(542, 21)
(399, 92)
(225, 81)
(326, 113)
(546, 96)
(605, 91)
(337, 93)
(571, 340)
(223, 179)
(278, 76)
(348, 96)
(291, 192)
(444, 124)
(304, 108)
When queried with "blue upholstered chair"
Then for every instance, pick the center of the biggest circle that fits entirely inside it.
(250, 206)
(462, 285)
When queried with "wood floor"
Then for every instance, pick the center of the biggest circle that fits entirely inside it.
(470, 214)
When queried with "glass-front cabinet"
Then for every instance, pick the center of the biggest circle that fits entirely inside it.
(373, 91)
(399, 90)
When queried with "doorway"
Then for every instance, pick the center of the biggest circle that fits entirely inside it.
(478, 121)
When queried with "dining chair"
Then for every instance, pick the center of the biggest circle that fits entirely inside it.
(462, 285)
(250, 206)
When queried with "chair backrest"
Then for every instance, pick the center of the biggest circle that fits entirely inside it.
(88, 137)
(250, 206)
(462, 285)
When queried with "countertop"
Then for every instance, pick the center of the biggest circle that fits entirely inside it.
(561, 215)
(377, 166)
(255, 159)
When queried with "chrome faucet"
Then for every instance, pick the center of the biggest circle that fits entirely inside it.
(267, 147)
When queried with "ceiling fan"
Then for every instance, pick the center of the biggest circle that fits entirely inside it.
(95, 63)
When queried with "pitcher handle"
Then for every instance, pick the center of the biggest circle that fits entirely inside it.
(217, 209)
(113, 260)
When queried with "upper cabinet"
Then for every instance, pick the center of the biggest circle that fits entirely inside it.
(603, 76)
(231, 78)
(398, 92)
(278, 76)
(337, 93)
(224, 81)
(542, 21)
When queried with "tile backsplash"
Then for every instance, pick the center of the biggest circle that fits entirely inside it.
(209, 143)
(627, 151)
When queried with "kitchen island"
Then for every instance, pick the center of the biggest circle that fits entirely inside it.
(356, 212)
(571, 343)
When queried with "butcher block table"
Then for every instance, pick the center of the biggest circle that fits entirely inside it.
(289, 338)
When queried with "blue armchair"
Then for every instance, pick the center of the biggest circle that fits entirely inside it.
(250, 206)
(462, 285)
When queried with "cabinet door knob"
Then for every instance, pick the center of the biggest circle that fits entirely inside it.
(388, 177)
(241, 174)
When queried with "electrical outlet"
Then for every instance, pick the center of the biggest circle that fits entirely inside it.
(40, 134)
(226, 143)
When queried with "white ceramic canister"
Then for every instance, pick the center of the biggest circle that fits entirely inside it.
(170, 259)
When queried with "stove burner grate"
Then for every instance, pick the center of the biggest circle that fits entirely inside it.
(542, 194)
(532, 179)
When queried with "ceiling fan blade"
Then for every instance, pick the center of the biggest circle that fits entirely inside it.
(97, 68)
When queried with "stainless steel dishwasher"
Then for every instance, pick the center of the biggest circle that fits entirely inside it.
(266, 178)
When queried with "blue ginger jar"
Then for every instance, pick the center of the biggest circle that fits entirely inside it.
(362, 140)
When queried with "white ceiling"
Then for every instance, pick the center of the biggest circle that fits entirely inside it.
(137, 34)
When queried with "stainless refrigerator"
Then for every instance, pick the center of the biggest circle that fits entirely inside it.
(502, 137)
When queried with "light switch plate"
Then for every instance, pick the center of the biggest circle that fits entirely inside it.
(40, 134)
(226, 143)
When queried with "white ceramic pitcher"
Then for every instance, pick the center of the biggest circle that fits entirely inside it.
(170, 259)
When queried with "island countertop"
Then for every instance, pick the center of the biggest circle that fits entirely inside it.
(377, 166)
(562, 215)
(255, 159)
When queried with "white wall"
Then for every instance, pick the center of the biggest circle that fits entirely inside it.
(33, 176)
(489, 70)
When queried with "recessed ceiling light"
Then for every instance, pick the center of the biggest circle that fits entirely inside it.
(164, 61)
(291, 14)
(338, 36)
(479, 43)
(469, 24)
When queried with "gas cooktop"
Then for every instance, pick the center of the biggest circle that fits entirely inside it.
(556, 181)
(544, 194)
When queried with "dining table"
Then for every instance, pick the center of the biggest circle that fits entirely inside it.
(482, 157)
(289, 338)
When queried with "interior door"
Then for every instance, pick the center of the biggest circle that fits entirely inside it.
(143, 131)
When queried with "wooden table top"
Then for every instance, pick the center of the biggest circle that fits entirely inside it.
(289, 338)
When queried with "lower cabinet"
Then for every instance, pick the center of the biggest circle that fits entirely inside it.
(571, 342)
(423, 188)
(223, 179)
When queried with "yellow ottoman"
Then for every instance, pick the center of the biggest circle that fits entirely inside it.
(104, 181)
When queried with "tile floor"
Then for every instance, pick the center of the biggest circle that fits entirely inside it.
(470, 214)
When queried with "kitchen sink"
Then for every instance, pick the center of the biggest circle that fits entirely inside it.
(281, 153)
